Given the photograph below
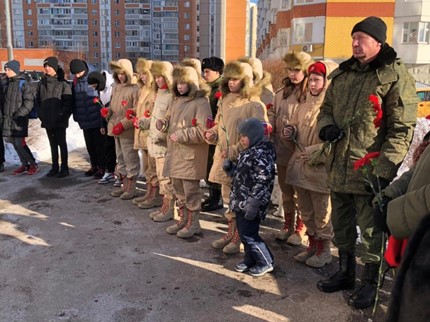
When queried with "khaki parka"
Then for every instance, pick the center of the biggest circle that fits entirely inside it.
(232, 109)
(124, 97)
(145, 104)
(299, 172)
(347, 105)
(187, 117)
(406, 211)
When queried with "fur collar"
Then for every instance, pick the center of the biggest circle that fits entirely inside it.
(386, 56)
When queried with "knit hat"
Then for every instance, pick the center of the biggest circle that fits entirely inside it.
(96, 78)
(77, 66)
(214, 63)
(52, 62)
(253, 129)
(318, 68)
(373, 26)
(13, 65)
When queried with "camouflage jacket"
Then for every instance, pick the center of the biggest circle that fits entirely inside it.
(347, 105)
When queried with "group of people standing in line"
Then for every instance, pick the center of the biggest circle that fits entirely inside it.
(231, 129)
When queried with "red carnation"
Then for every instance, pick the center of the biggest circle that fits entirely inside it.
(269, 106)
(147, 114)
(366, 160)
(378, 110)
(124, 103)
(96, 100)
(210, 122)
(194, 122)
(428, 117)
(218, 95)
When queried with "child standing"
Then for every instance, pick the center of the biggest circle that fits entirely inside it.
(186, 158)
(252, 186)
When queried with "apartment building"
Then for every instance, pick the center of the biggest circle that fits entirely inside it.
(103, 30)
(319, 27)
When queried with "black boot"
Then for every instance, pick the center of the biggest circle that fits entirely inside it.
(365, 295)
(64, 172)
(54, 171)
(344, 278)
(214, 201)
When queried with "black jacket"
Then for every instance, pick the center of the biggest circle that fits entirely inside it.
(55, 102)
(15, 105)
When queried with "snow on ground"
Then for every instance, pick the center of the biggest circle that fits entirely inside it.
(38, 142)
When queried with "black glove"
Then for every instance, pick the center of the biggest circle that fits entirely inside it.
(252, 208)
(331, 133)
(380, 216)
(228, 166)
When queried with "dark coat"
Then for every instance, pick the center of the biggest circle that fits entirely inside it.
(85, 111)
(410, 297)
(254, 177)
(16, 105)
(55, 102)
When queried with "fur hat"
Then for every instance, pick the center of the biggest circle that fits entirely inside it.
(214, 63)
(373, 26)
(242, 71)
(162, 68)
(77, 66)
(298, 60)
(195, 63)
(253, 129)
(256, 65)
(52, 62)
(13, 65)
(122, 66)
(188, 75)
(143, 66)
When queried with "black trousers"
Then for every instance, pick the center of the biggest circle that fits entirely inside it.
(57, 139)
(2, 159)
(109, 161)
(94, 141)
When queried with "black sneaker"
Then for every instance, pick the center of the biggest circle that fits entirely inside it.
(52, 173)
(63, 173)
(241, 267)
(260, 270)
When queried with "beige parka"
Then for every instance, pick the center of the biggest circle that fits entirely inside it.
(124, 97)
(187, 117)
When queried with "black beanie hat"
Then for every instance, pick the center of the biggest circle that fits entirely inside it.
(98, 79)
(51, 61)
(214, 63)
(13, 65)
(77, 66)
(253, 129)
(373, 26)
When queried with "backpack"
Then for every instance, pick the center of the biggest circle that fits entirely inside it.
(33, 89)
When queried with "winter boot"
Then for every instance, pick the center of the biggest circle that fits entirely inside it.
(299, 236)
(141, 199)
(214, 202)
(344, 278)
(309, 252)
(54, 171)
(64, 171)
(322, 255)
(192, 227)
(286, 231)
(233, 246)
(365, 295)
(91, 171)
(166, 213)
(225, 240)
(130, 189)
(120, 190)
(183, 219)
(154, 200)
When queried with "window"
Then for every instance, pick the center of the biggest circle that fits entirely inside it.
(30, 44)
(29, 23)
(117, 34)
(95, 33)
(94, 12)
(95, 44)
(303, 32)
(186, 37)
(116, 12)
(117, 45)
(29, 12)
(94, 22)
(187, 26)
(186, 4)
(96, 55)
(416, 32)
(186, 15)
(116, 23)
(94, 2)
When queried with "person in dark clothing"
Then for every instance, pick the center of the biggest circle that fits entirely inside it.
(55, 108)
(252, 186)
(213, 68)
(87, 113)
(16, 104)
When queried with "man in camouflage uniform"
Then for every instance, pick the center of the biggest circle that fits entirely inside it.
(347, 121)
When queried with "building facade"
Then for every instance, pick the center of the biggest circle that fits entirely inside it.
(103, 30)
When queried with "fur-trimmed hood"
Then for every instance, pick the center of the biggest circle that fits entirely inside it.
(143, 66)
(187, 74)
(162, 68)
(122, 66)
(242, 71)
(298, 60)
